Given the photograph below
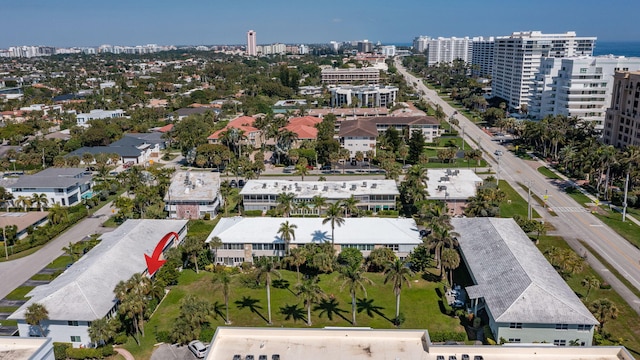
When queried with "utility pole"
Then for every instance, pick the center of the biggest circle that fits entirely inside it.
(4, 239)
(498, 172)
(462, 137)
(529, 185)
(624, 205)
(43, 164)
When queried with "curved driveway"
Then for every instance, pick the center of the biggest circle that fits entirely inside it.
(573, 221)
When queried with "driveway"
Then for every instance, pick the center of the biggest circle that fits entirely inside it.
(172, 352)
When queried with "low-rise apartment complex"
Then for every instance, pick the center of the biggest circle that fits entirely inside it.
(193, 195)
(361, 76)
(374, 195)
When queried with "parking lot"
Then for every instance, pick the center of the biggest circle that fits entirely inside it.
(172, 352)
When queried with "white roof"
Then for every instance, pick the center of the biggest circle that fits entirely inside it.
(516, 281)
(24, 348)
(452, 184)
(193, 186)
(85, 290)
(311, 230)
(327, 189)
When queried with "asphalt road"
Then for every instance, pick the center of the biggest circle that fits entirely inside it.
(15, 272)
(572, 222)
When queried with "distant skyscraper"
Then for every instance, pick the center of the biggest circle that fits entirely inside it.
(482, 56)
(445, 50)
(516, 60)
(251, 43)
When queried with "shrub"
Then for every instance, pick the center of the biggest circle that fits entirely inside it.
(206, 216)
(107, 350)
(605, 285)
(253, 213)
(60, 350)
(84, 353)
(165, 337)
(120, 338)
(442, 336)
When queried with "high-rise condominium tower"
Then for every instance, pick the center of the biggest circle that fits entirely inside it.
(251, 43)
(517, 59)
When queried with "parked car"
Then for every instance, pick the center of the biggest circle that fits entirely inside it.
(233, 184)
(241, 183)
(197, 348)
(289, 169)
(498, 153)
(325, 167)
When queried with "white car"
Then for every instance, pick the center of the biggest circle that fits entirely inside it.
(198, 349)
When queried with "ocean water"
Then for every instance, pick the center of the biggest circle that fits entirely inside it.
(619, 48)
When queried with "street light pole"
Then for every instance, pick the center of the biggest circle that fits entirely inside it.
(6, 248)
(529, 185)
(462, 137)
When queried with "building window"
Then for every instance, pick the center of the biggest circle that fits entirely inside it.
(72, 323)
(75, 339)
(584, 327)
(562, 326)
(515, 326)
(394, 247)
(560, 342)
(583, 70)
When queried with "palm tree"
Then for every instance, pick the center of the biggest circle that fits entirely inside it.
(132, 295)
(101, 330)
(193, 246)
(603, 310)
(353, 278)
(40, 200)
(397, 273)
(58, 213)
(450, 261)
(350, 205)
(222, 281)
(265, 268)
(215, 243)
(35, 314)
(297, 256)
(310, 292)
(301, 170)
(438, 239)
(23, 202)
(319, 203)
(303, 207)
(287, 233)
(590, 282)
(334, 216)
(285, 203)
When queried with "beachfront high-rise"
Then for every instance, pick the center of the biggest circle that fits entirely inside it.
(251, 43)
(445, 50)
(517, 60)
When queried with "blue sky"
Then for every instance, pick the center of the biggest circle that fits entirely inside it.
(193, 22)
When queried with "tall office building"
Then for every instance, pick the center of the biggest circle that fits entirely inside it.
(251, 43)
(578, 86)
(365, 46)
(445, 50)
(482, 56)
(622, 121)
(517, 60)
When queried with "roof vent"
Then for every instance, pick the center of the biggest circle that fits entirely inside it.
(364, 184)
(315, 187)
(344, 185)
(353, 187)
(264, 186)
(374, 185)
(326, 188)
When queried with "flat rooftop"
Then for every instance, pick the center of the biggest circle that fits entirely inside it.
(24, 348)
(370, 344)
(452, 184)
(193, 186)
(22, 219)
(327, 189)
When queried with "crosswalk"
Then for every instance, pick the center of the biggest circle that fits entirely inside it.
(560, 209)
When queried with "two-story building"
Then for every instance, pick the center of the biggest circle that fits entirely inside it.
(84, 292)
(192, 195)
(64, 186)
(515, 289)
(374, 195)
(245, 239)
(83, 119)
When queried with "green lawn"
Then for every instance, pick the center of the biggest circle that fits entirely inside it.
(548, 173)
(514, 204)
(201, 228)
(42, 277)
(8, 309)
(627, 325)
(19, 293)
(60, 262)
(628, 229)
(419, 303)
(579, 197)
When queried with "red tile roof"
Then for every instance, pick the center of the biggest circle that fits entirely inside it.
(244, 123)
(166, 128)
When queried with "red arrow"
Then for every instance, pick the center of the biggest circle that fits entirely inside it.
(154, 262)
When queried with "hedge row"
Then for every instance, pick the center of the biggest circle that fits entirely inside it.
(442, 336)
(63, 351)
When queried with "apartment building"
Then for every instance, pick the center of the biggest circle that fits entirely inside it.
(445, 50)
(192, 195)
(622, 120)
(251, 43)
(374, 195)
(64, 186)
(579, 86)
(97, 114)
(420, 43)
(482, 56)
(371, 96)
(517, 60)
(331, 76)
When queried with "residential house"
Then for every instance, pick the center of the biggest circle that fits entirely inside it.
(244, 124)
(64, 186)
(82, 119)
(139, 148)
(453, 186)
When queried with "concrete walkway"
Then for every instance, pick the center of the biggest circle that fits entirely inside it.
(125, 354)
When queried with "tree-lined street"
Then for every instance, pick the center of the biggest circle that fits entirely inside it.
(572, 225)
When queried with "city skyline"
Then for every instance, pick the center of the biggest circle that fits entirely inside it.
(77, 23)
